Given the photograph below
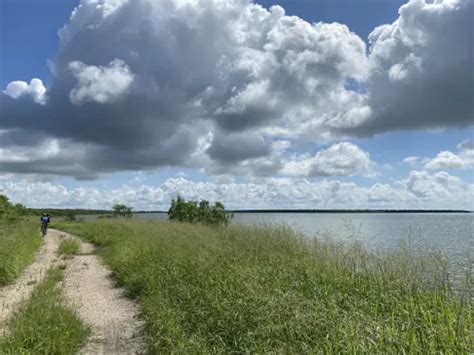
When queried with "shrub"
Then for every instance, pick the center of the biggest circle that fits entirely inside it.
(202, 212)
(9, 211)
(122, 211)
(70, 216)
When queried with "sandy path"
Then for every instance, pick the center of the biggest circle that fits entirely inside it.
(12, 295)
(114, 319)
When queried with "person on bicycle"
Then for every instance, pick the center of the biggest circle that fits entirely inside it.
(45, 222)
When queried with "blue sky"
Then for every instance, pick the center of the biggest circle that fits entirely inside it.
(315, 146)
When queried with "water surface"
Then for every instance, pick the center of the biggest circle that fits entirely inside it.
(451, 234)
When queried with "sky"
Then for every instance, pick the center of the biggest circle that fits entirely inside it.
(339, 104)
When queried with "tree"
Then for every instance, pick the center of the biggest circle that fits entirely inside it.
(202, 212)
(122, 211)
(70, 216)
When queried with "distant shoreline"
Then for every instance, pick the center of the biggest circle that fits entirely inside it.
(84, 212)
(330, 211)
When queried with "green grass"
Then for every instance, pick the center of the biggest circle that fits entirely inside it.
(69, 247)
(263, 290)
(18, 244)
(44, 325)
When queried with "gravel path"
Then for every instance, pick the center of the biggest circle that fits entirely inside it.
(114, 319)
(12, 295)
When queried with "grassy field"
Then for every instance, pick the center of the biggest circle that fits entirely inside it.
(44, 325)
(18, 244)
(261, 290)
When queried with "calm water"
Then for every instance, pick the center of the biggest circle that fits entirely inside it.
(452, 234)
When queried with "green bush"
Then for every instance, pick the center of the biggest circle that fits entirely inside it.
(202, 212)
(70, 216)
(10, 212)
(122, 211)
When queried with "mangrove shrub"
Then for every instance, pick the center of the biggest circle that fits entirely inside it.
(122, 211)
(198, 212)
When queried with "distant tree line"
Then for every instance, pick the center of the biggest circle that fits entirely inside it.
(63, 212)
(347, 211)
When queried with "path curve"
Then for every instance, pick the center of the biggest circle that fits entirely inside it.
(11, 296)
(113, 318)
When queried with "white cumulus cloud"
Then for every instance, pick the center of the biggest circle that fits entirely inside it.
(419, 190)
(439, 186)
(464, 159)
(35, 89)
(341, 159)
(421, 69)
(164, 75)
(100, 84)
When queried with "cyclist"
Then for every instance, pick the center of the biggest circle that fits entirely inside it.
(44, 223)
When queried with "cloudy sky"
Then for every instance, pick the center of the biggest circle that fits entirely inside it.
(258, 104)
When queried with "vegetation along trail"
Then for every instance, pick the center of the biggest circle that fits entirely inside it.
(259, 290)
(89, 291)
(113, 318)
(11, 296)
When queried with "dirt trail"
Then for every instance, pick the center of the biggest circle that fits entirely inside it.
(114, 319)
(12, 295)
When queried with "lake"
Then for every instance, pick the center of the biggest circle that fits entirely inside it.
(451, 234)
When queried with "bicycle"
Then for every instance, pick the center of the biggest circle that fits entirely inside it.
(44, 229)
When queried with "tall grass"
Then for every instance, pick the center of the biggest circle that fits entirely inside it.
(69, 247)
(19, 242)
(264, 290)
(45, 325)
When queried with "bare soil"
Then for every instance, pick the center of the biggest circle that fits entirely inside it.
(113, 318)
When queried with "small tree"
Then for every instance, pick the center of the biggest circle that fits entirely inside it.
(202, 212)
(123, 211)
(70, 216)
